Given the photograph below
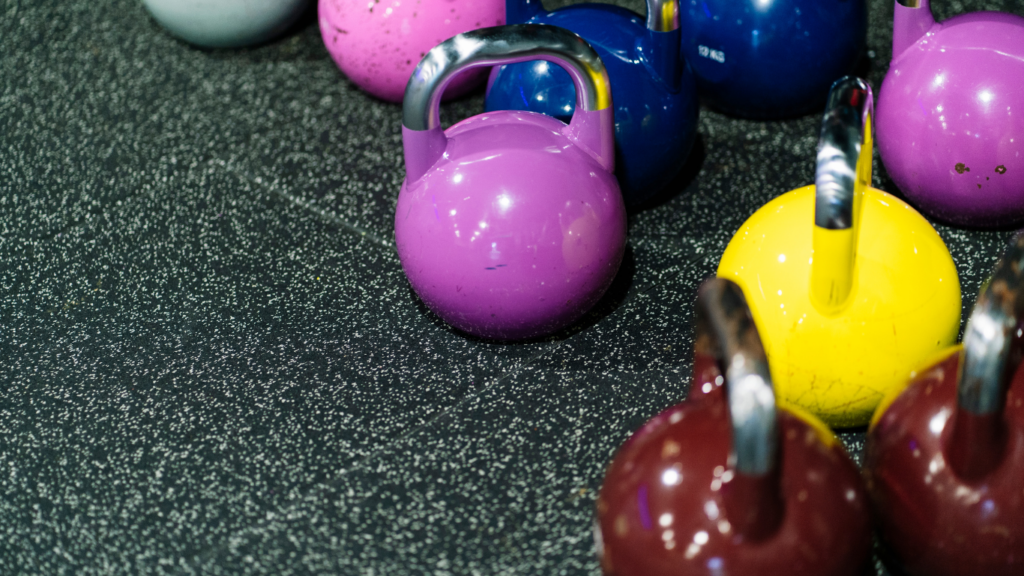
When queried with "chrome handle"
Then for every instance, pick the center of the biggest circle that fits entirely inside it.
(998, 312)
(503, 45)
(845, 129)
(724, 318)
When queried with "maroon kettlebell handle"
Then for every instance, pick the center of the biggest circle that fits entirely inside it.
(726, 332)
(991, 357)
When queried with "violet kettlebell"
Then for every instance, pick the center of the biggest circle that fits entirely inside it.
(951, 114)
(510, 224)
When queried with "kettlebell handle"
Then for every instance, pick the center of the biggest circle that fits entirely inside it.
(987, 367)
(842, 173)
(751, 490)
(503, 45)
(659, 49)
(592, 125)
(989, 360)
(726, 330)
(911, 20)
(845, 130)
(662, 15)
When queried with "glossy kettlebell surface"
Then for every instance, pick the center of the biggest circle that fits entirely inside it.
(929, 533)
(378, 44)
(225, 23)
(771, 58)
(727, 482)
(944, 456)
(653, 90)
(951, 126)
(851, 292)
(905, 303)
(510, 225)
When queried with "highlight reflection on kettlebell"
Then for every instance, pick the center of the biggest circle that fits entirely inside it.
(510, 224)
(850, 287)
(951, 128)
(653, 89)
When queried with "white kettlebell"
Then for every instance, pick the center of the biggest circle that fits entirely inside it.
(225, 23)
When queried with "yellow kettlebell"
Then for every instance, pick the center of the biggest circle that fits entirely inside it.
(850, 288)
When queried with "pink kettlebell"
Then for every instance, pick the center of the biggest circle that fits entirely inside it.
(951, 114)
(510, 224)
(377, 43)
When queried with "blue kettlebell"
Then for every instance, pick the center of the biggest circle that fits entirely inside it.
(653, 90)
(771, 58)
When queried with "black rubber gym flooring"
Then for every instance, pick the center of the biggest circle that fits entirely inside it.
(211, 362)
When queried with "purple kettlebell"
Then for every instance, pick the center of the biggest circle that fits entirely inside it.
(951, 114)
(510, 224)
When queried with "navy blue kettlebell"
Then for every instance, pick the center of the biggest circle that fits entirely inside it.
(771, 58)
(653, 90)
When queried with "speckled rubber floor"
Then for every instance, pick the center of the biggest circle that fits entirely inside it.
(210, 361)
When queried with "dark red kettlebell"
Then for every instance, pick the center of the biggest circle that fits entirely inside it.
(727, 482)
(944, 459)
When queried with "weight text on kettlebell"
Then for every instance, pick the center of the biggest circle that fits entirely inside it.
(716, 55)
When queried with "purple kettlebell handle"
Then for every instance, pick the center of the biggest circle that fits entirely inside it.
(912, 19)
(592, 125)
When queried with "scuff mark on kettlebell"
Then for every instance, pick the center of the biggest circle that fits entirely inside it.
(961, 168)
(1000, 169)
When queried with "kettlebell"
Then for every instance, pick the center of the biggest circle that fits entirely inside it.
(378, 43)
(850, 287)
(225, 23)
(944, 456)
(951, 126)
(510, 225)
(771, 58)
(732, 481)
(653, 89)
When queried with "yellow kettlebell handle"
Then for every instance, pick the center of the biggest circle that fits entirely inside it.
(843, 174)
